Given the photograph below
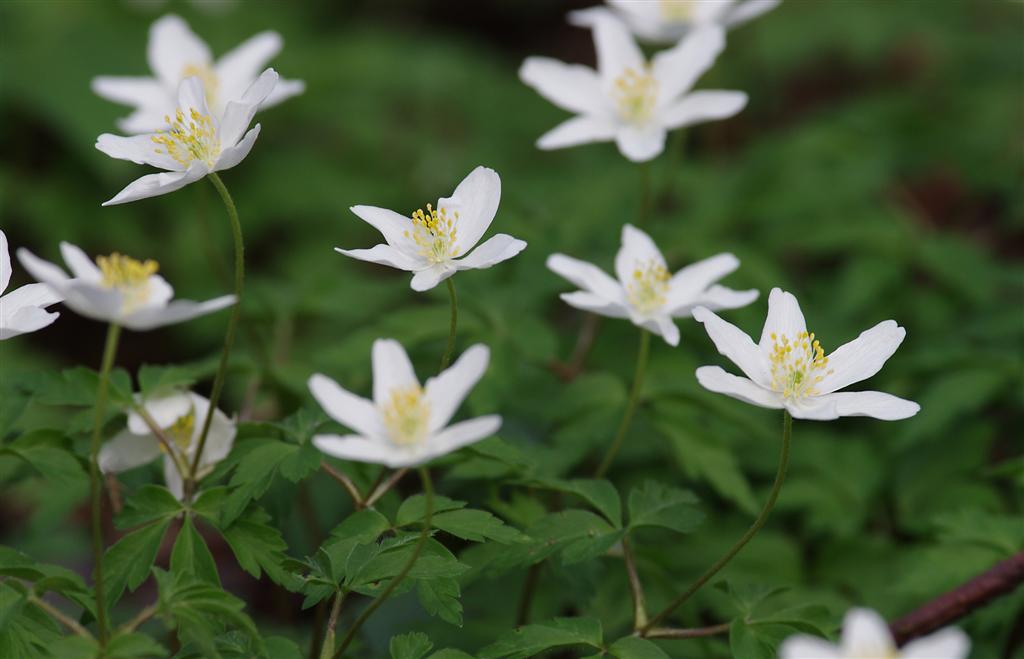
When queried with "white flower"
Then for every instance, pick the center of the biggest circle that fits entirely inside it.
(789, 369)
(646, 292)
(117, 289)
(667, 21)
(405, 424)
(22, 310)
(180, 417)
(866, 636)
(430, 243)
(195, 143)
(175, 54)
(628, 99)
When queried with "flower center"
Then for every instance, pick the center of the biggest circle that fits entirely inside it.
(676, 11)
(207, 76)
(649, 286)
(128, 276)
(636, 93)
(434, 234)
(797, 366)
(189, 139)
(181, 431)
(406, 416)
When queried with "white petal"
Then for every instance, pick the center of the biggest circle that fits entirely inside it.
(148, 119)
(92, 301)
(854, 403)
(663, 326)
(732, 342)
(220, 438)
(30, 296)
(784, 319)
(571, 87)
(283, 90)
(153, 185)
(578, 130)
(192, 96)
(748, 10)
(865, 634)
(616, 50)
(595, 303)
(172, 48)
(43, 271)
(426, 279)
(391, 370)
(233, 155)
(715, 298)
(238, 113)
(700, 106)
(140, 149)
(948, 643)
(177, 311)
(494, 250)
(80, 265)
(713, 378)
(361, 449)
(446, 391)
(678, 68)
(385, 255)
(160, 293)
(138, 91)
(346, 408)
(5, 263)
(640, 143)
(476, 201)
(173, 479)
(163, 410)
(16, 321)
(863, 357)
(238, 67)
(127, 451)
(461, 434)
(394, 227)
(692, 281)
(807, 647)
(637, 252)
(587, 276)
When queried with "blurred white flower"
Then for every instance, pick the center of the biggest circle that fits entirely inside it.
(866, 636)
(179, 416)
(195, 144)
(667, 21)
(175, 54)
(628, 99)
(405, 424)
(429, 243)
(789, 369)
(117, 289)
(646, 292)
(22, 310)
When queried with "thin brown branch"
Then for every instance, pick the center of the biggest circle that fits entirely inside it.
(143, 615)
(635, 587)
(346, 483)
(569, 371)
(58, 615)
(114, 493)
(383, 488)
(695, 632)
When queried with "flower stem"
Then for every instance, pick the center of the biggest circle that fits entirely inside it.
(95, 482)
(332, 623)
(58, 615)
(634, 396)
(635, 587)
(428, 492)
(645, 194)
(447, 358)
(780, 477)
(229, 336)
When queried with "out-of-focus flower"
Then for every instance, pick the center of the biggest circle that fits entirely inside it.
(628, 99)
(22, 310)
(436, 243)
(179, 417)
(117, 289)
(646, 292)
(789, 369)
(196, 143)
(865, 635)
(405, 424)
(667, 21)
(175, 54)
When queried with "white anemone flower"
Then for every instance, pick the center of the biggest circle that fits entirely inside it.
(865, 635)
(628, 99)
(405, 424)
(667, 21)
(175, 54)
(117, 289)
(179, 416)
(646, 292)
(195, 142)
(789, 369)
(436, 243)
(22, 310)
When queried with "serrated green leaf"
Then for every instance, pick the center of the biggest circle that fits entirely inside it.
(259, 547)
(634, 647)
(155, 380)
(744, 642)
(654, 504)
(150, 503)
(127, 562)
(253, 475)
(475, 526)
(441, 597)
(200, 611)
(414, 508)
(191, 555)
(713, 463)
(529, 640)
(132, 646)
(414, 645)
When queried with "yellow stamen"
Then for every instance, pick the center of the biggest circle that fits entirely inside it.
(435, 233)
(182, 430)
(677, 11)
(636, 93)
(649, 286)
(189, 139)
(207, 76)
(406, 416)
(797, 366)
(128, 276)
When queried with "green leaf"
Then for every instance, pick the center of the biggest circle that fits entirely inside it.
(580, 534)
(301, 462)
(414, 645)
(529, 640)
(713, 463)
(633, 647)
(201, 611)
(151, 503)
(414, 508)
(28, 631)
(440, 597)
(191, 555)
(131, 646)
(449, 653)
(254, 474)
(259, 547)
(49, 454)
(161, 380)
(127, 562)
(744, 642)
(654, 504)
(360, 528)
(475, 526)
(599, 493)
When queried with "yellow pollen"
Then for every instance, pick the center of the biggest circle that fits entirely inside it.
(676, 11)
(128, 276)
(649, 286)
(798, 366)
(189, 139)
(181, 431)
(406, 416)
(636, 93)
(207, 76)
(434, 233)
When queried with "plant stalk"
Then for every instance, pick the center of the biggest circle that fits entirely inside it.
(634, 397)
(446, 359)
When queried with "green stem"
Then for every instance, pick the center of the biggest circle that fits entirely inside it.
(332, 623)
(428, 492)
(634, 397)
(229, 336)
(95, 481)
(780, 477)
(447, 358)
(645, 194)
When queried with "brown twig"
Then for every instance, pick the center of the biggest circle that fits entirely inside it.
(143, 615)
(1000, 580)
(114, 493)
(58, 615)
(569, 371)
(383, 488)
(696, 632)
(346, 483)
(635, 587)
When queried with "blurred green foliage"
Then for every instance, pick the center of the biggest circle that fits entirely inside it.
(876, 173)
